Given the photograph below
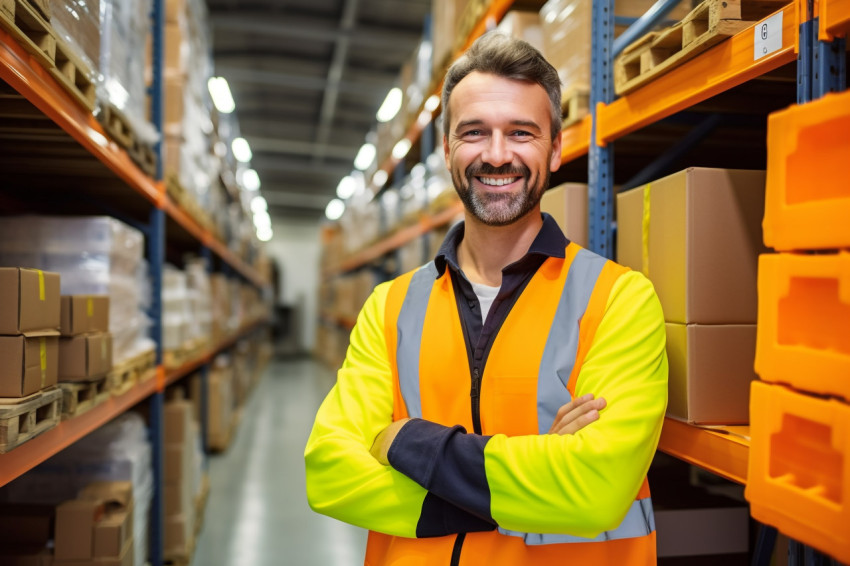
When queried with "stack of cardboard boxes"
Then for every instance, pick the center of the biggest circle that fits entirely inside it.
(182, 481)
(697, 235)
(85, 348)
(96, 529)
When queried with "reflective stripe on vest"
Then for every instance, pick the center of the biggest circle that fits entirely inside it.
(559, 356)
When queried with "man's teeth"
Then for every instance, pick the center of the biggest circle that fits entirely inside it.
(498, 182)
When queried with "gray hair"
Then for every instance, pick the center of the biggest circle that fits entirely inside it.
(507, 57)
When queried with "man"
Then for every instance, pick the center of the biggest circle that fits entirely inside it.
(500, 405)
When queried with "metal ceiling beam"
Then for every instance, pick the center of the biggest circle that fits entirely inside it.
(272, 145)
(236, 75)
(331, 95)
(312, 29)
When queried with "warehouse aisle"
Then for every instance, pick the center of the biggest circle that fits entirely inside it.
(257, 513)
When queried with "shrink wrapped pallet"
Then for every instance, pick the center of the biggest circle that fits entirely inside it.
(78, 23)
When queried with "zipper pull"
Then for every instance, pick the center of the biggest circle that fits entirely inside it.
(476, 381)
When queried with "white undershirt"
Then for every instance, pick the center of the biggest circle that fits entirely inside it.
(486, 295)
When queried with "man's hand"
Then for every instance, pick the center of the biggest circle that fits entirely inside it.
(577, 414)
(382, 443)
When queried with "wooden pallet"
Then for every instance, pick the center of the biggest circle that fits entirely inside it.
(178, 356)
(121, 130)
(81, 396)
(575, 105)
(30, 29)
(27, 417)
(705, 26)
(126, 374)
(75, 76)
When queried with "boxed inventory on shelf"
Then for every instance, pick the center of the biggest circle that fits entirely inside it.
(85, 357)
(81, 314)
(567, 203)
(28, 363)
(29, 300)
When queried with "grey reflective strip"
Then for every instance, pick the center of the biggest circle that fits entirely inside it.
(411, 320)
(559, 354)
(639, 522)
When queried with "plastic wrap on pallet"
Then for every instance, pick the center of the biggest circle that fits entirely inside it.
(78, 23)
(117, 451)
(124, 31)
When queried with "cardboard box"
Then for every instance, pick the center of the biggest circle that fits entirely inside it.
(178, 534)
(699, 242)
(29, 300)
(114, 529)
(24, 524)
(567, 204)
(85, 357)
(178, 498)
(178, 421)
(711, 367)
(81, 314)
(74, 534)
(523, 25)
(127, 558)
(28, 363)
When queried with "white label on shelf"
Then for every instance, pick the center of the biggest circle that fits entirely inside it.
(768, 36)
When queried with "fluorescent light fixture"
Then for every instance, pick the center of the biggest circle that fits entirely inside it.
(241, 150)
(380, 178)
(365, 156)
(347, 186)
(258, 205)
(432, 103)
(250, 180)
(424, 118)
(220, 93)
(334, 209)
(262, 220)
(418, 171)
(391, 105)
(264, 234)
(401, 148)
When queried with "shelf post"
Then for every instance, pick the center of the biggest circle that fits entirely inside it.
(601, 159)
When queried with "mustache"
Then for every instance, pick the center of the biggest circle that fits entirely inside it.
(478, 169)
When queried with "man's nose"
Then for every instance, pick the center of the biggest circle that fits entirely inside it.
(497, 151)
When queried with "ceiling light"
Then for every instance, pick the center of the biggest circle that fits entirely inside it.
(250, 180)
(401, 148)
(220, 93)
(241, 150)
(380, 178)
(259, 204)
(424, 118)
(346, 188)
(432, 103)
(365, 157)
(391, 105)
(335, 209)
(262, 220)
(264, 234)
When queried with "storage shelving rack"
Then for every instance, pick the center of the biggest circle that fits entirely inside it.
(819, 51)
(73, 149)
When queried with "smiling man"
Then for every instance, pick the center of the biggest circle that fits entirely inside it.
(501, 404)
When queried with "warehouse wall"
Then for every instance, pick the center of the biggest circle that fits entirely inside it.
(296, 247)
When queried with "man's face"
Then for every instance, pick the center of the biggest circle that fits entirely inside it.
(499, 146)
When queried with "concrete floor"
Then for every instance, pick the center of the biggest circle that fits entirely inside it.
(257, 513)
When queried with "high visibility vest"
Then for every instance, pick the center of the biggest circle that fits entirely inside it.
(543, 342)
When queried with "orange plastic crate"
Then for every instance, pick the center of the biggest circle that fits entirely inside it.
(803, 333)
(807, 202)
(799, 471)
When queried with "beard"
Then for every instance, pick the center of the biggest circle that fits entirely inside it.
(499, 209)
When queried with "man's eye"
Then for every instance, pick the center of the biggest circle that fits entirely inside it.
(521, 134)
(473, 133)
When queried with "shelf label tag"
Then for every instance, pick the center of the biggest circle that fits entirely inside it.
(768, 36)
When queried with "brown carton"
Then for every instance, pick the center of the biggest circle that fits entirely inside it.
(114, 529)
(178, 421)
(126, 558)
(85, 357)
(698, 240)
(28, 363)
(81, 314)
(711, 367)
(74, 534)
(29, 300)
(567, 204)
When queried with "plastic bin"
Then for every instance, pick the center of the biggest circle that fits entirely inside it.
(803, 336)
(807, 203)
(799, 474)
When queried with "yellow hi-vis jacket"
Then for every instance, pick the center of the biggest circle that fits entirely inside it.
(512, 494)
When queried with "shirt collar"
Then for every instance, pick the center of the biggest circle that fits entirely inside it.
(549, 242)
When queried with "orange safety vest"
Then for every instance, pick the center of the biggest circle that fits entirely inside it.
(563, 295)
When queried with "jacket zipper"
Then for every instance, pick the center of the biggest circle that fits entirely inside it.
(457, 548)
(475, 394)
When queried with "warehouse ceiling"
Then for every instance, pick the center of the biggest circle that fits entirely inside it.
(308, 77)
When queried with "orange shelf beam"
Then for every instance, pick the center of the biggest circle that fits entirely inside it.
(24, 74)
(33, 452)
(398, 239)
(722, 67)
(721, 450)
(834, 19)
(575, 140)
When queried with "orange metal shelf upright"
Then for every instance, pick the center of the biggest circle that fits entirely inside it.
(575, 140)
(834, 19)
(722, 67)
(721, 450)
(23, 73)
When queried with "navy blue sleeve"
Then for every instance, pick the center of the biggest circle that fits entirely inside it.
(440, 518)
(447, 462)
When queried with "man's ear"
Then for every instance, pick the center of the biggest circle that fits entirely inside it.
(555, 162)
(446, 150)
